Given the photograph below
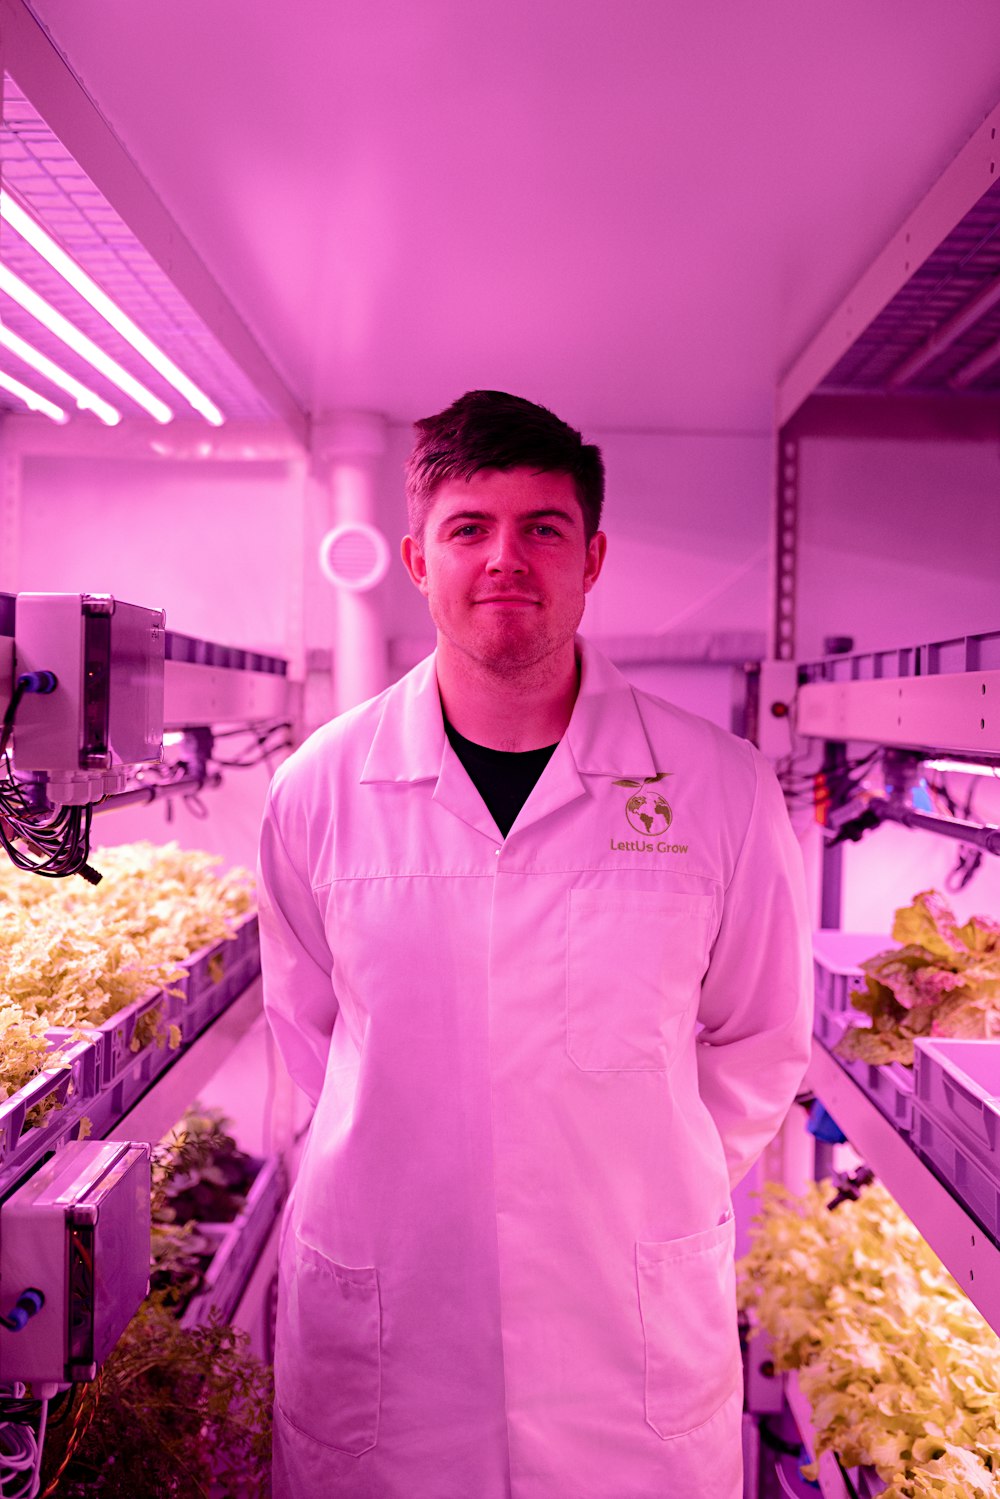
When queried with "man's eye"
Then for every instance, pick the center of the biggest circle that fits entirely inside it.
(545, 530)
(470, 530)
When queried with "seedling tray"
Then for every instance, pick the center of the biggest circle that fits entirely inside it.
(240, 1244)
(67, 1088)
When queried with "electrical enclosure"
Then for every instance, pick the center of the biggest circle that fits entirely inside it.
(106, 713)
(79, 1231)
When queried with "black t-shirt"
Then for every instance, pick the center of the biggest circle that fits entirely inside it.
(503, 778)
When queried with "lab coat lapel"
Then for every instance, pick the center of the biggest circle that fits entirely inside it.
(410, 745)
(605, 737)
(606, 733)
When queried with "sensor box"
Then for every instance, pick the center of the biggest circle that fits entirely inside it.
(79, 1231)
(106, 713)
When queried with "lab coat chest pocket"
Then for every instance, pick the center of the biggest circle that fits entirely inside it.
(687, 1301)
(327, 1371)
(635, 961)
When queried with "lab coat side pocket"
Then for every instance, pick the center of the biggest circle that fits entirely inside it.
(687, 1303)
(328, 1357)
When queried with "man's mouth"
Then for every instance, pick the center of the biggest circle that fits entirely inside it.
(506, 598)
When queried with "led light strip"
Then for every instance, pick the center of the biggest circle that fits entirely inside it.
(30, 230)
(85, 399)
(32, 399)
(25, 297)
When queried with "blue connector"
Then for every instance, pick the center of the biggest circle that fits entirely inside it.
(38, 681)
(29, 1304)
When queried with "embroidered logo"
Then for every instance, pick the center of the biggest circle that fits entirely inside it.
(648, 810)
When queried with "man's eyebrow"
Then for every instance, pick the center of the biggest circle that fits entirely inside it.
(547, 512)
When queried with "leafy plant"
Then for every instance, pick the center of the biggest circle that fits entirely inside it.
(944, 980)
(72, 955)
(180, 1413)
(200, 1172)
(901, 1370)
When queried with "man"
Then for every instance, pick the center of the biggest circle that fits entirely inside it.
(535, 944)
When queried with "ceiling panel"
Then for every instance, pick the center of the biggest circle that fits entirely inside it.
(637, 212)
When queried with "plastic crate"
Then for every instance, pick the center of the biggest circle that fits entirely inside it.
(890, 1088)
(71, 1083)
(118, 1032)
(240, 1244)
(957, 1128)
(829, 1027)
(218, 974)
(960, 1169)
(837, 957)
(958, 1083)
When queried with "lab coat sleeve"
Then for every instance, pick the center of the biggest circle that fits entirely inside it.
(756, 1003)
(299, 999)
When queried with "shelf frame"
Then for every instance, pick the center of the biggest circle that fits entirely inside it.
(958, 1240)
(956, 711)
(160, 1107)
(956, 191)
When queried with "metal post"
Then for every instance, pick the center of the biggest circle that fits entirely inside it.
(785, 526)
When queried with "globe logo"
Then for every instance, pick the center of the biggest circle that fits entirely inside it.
(649, 812)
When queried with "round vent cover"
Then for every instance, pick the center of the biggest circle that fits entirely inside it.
(354, 555)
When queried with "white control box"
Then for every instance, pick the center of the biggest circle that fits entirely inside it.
(106, 713)
(78, 1231)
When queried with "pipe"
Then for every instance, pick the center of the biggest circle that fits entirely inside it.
(143, 795)
(987, 838)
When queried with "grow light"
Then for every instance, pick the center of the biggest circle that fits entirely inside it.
(30, 230)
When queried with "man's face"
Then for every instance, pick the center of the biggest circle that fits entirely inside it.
(504, 565)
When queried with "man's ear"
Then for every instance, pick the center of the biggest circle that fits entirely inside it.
(414, 562)
(596, 548)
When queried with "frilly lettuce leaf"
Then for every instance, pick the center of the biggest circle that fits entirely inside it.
(900, 1369)
(944, 980)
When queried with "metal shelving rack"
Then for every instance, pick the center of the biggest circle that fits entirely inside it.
(913, 351)
(205, 684)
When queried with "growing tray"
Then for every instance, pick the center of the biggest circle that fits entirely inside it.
(67, 1088)
(239, 1245)
(837, 957)
(102, 1077)
(957, 1120)
(216, 975)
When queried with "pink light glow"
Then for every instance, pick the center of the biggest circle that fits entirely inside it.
(30, 230)
(85, 399)
(25, 297)
(32, 399)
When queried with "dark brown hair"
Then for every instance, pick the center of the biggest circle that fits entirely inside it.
(487, 429)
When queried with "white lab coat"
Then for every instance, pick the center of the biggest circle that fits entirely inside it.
(538, 1064)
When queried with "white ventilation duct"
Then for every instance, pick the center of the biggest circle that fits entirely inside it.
(354, 555)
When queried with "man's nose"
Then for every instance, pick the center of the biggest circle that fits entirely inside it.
(506, 554)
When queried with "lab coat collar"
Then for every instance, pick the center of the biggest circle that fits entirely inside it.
(605, 734)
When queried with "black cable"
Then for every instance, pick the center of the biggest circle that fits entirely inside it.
(8, 718)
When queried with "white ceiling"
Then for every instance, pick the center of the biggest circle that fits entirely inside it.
(636, 211)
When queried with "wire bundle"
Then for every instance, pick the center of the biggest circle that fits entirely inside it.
(21, 1453)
